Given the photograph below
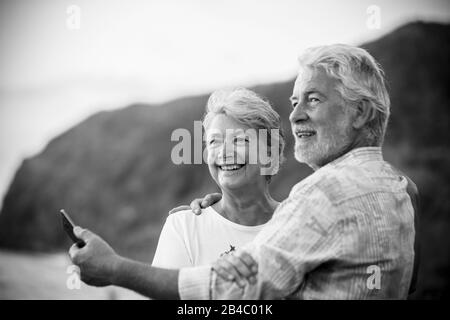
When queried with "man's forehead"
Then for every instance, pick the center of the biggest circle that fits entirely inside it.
(303, 74)
(311, 80)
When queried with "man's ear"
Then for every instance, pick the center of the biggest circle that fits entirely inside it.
(364, 114)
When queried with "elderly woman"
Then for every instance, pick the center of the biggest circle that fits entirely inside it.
(235, 120)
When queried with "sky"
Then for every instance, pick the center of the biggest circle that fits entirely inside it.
(62, 61)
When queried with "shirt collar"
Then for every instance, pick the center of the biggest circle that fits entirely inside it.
(357, 156)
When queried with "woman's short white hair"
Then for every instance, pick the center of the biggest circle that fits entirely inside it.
(361, 80)
(248, 108)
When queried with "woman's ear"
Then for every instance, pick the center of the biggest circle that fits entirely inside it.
(364, 114)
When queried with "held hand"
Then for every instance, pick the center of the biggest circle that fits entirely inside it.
(237, 266)
(97, 260)
(200, 203)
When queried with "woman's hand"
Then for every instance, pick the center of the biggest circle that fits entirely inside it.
(237, 266)
(97, 260)
(200, 203)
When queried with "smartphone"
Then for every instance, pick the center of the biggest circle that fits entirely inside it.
(68, 227)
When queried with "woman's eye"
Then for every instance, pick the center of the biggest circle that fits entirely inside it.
(240, 140)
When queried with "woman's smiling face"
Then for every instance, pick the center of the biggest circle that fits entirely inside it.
(228, 154)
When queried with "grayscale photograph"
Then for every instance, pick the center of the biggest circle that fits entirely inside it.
(224, 150)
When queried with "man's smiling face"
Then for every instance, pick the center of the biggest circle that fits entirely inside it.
(321, 124)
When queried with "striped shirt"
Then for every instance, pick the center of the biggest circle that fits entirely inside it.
(345, 232)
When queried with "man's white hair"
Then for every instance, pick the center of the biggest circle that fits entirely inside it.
(360, 80)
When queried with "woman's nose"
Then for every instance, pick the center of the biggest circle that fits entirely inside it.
(226, 150)
(298, 114)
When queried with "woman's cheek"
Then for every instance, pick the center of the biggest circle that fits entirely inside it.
(211, 154)
(242, 155)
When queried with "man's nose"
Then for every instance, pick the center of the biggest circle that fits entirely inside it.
(298, 114)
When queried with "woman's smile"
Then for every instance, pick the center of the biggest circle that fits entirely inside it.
(231, 167)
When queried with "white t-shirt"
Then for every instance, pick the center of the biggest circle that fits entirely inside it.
(189, 240)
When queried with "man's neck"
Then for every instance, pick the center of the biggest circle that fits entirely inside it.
(357, 143)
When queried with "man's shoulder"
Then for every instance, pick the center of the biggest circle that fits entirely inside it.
(338, 184)
(325, 179)
(412, 189)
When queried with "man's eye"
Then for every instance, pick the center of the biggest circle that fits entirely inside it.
(313, 100)
(212, 141)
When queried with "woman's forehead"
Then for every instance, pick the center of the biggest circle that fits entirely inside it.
(229, 132)
(223, 123)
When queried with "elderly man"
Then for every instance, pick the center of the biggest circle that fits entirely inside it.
(345, 232)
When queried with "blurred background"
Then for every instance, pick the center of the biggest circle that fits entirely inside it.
(90, 92)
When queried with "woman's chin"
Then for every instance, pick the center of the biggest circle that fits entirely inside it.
(238, 179)
(231, 182)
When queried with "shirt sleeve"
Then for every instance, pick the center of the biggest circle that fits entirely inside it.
(195, 283)
(301, 235)
(171, 251)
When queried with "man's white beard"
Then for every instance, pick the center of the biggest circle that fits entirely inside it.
(327, 149)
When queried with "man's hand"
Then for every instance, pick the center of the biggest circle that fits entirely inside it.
(200, 203)
(97, 260)
(237, 266)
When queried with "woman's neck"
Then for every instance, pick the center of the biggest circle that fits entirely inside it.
(254, 207)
